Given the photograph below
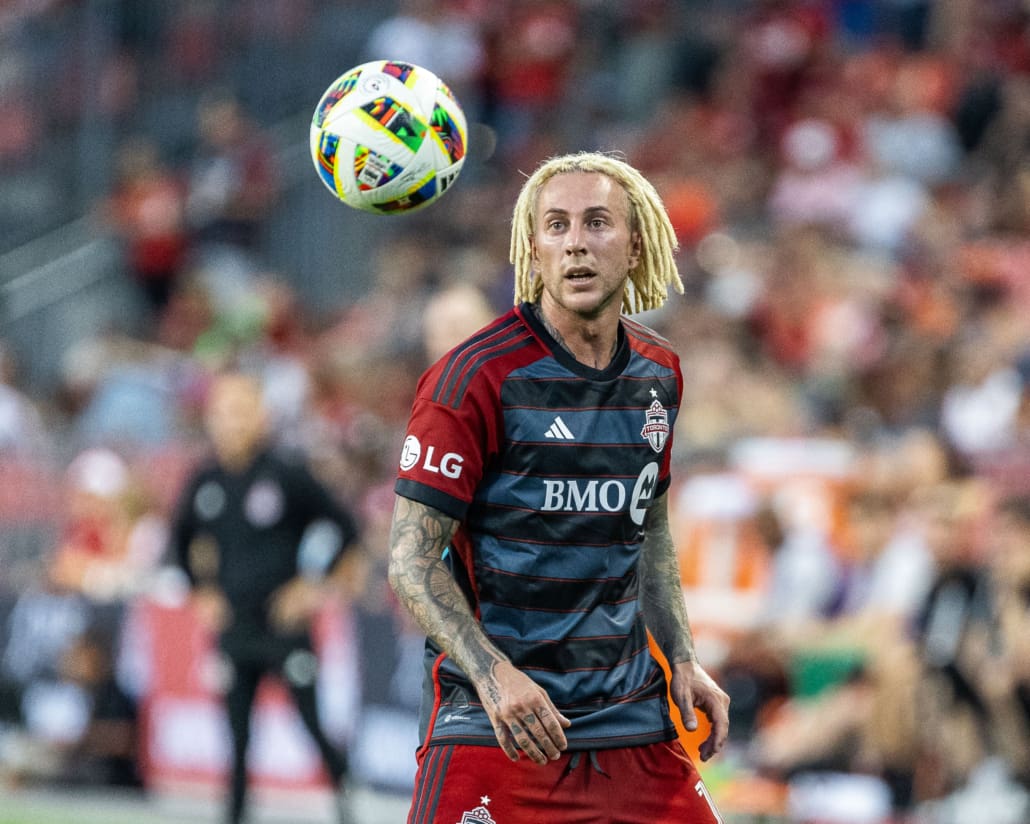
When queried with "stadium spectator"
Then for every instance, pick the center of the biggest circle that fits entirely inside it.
(106, 750)
(112, 542)
(1005, 647)
(147, 209)
(77, 725)
(233, 180)
(23, 431)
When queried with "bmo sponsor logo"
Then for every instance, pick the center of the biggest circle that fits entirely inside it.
(574, 495)
(643, 492)
(449, 464)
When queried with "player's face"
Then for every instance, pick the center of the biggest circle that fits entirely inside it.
(584, 246)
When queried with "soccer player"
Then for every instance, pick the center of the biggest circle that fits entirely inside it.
(261, 540)
(530, 535)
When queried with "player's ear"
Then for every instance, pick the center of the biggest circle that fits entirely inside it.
(636, 245)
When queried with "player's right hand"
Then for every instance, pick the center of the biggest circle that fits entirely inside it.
(522, 714)
(294, 605)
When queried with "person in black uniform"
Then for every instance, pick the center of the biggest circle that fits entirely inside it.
(263, 543)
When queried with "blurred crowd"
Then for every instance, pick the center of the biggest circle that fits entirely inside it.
(850, 185)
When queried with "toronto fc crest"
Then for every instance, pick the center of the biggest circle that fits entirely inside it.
(480, 815)
(656, 426)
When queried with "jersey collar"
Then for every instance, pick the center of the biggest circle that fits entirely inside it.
(565, 358)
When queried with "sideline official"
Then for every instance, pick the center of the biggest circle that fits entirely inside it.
(263, 544)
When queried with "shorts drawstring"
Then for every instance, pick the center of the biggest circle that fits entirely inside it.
(577, 756)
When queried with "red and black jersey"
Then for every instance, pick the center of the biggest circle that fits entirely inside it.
(550, 466)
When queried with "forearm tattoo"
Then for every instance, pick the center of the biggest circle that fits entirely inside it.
(661, 593)
(418, 536)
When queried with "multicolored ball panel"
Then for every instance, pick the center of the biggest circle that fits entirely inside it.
(446, 131)
(336, 92)
(398, 120)
(372, 170)
(422, 194)
(402, 71)
(326, 159)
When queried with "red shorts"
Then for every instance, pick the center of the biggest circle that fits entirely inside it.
(651, 784)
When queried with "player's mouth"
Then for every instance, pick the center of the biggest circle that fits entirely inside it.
(579, 275)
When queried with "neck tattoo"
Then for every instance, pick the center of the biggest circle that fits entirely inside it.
(554, 333)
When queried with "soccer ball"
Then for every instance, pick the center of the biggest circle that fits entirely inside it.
(388, 137)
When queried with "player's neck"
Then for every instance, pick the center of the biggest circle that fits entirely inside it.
(236, 462)
(591, 342)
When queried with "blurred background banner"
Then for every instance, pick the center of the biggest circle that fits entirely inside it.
(850, 184)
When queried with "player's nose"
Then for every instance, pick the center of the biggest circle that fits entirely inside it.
(574, 240)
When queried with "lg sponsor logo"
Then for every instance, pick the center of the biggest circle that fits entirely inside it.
(570, 495)
(449, 465)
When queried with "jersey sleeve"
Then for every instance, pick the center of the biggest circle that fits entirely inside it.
(446, 447)
(182, 528)
(319, 503)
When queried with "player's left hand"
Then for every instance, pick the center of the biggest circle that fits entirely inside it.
(692, 688)
(294, 604)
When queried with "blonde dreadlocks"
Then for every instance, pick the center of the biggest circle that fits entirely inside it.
(655, 272)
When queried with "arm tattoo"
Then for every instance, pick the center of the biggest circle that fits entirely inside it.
(661, 594)
(418, 536)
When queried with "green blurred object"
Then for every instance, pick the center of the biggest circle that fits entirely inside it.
(814, 671)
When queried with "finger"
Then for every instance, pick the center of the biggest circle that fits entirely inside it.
(563, 722)
(527, 744)
(711, 745)
(506, 741)
(689, 717)
(554, 724)
(544, 734)
(717, 736)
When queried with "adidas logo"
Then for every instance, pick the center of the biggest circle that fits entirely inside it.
(559, 430)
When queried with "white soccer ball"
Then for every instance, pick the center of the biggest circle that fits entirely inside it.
(388, 137)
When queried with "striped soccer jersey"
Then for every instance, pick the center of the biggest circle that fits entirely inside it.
(550, 467)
